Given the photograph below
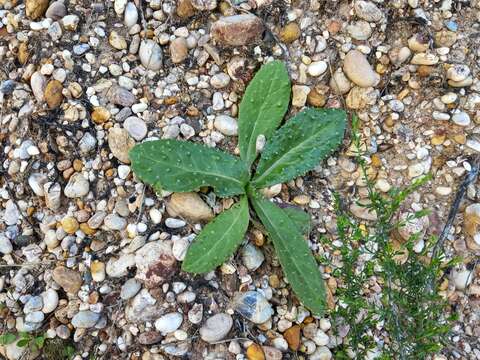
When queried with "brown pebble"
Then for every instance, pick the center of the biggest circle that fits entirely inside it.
(53, 94)
(424, 70)
(23, 53)
(255, 352)
(185, 9)
(290, 33)
(314, 98)
(100, 115)
(35, 8)
(292, 335)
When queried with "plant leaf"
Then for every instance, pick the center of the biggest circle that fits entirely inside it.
(39, 341)
(23, 342)
(7, 338)
(218, 240)
(182, 166)
(300, 218)
(300, 145)
(295, 257)
(262, 108)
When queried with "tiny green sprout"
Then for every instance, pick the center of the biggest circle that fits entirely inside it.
(297, 147)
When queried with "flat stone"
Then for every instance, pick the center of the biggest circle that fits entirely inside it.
(130, 16)
(11, 214)
(85, 319)
(120, 144)
(70, 280)
(237, 30)
(149, 337)
(190, 206)
(253, 306)
(35, 303)
(34, 317)
(178, 50)
(368, 11)
(121, 96)
(155, 263)
(118, 267)
(424, 59)
(115, 222)
(360, 30)
(252, 257)
(38, 83)
(5, 245)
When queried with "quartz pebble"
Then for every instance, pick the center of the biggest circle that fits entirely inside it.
(216, 328)
(151, 55)
(77, 186)
(253, 306)
(317, 68)
(169, 323)
(226, 125)
(130, 14)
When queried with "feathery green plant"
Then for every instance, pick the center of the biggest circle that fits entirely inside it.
(413, 316)
(297, 147)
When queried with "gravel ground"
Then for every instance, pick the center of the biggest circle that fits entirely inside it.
(90, 256)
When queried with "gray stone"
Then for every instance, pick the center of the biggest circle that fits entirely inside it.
(252, 257)
(5, 245)
(35, 303)
(130, 15)
(169, 323)
(216, 328)
(34, 317)
(136, 127)
(114, 222)
(130, 289)
(50, 300)
(85, 319)
(121, 96)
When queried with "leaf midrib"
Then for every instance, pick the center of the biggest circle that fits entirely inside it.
(291, 150)
(199, 171)
(220, 240)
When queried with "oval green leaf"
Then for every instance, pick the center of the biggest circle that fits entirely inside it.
(300, 145)
(182, 166)
(263, 107)
(218, 240)
(292, 250)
